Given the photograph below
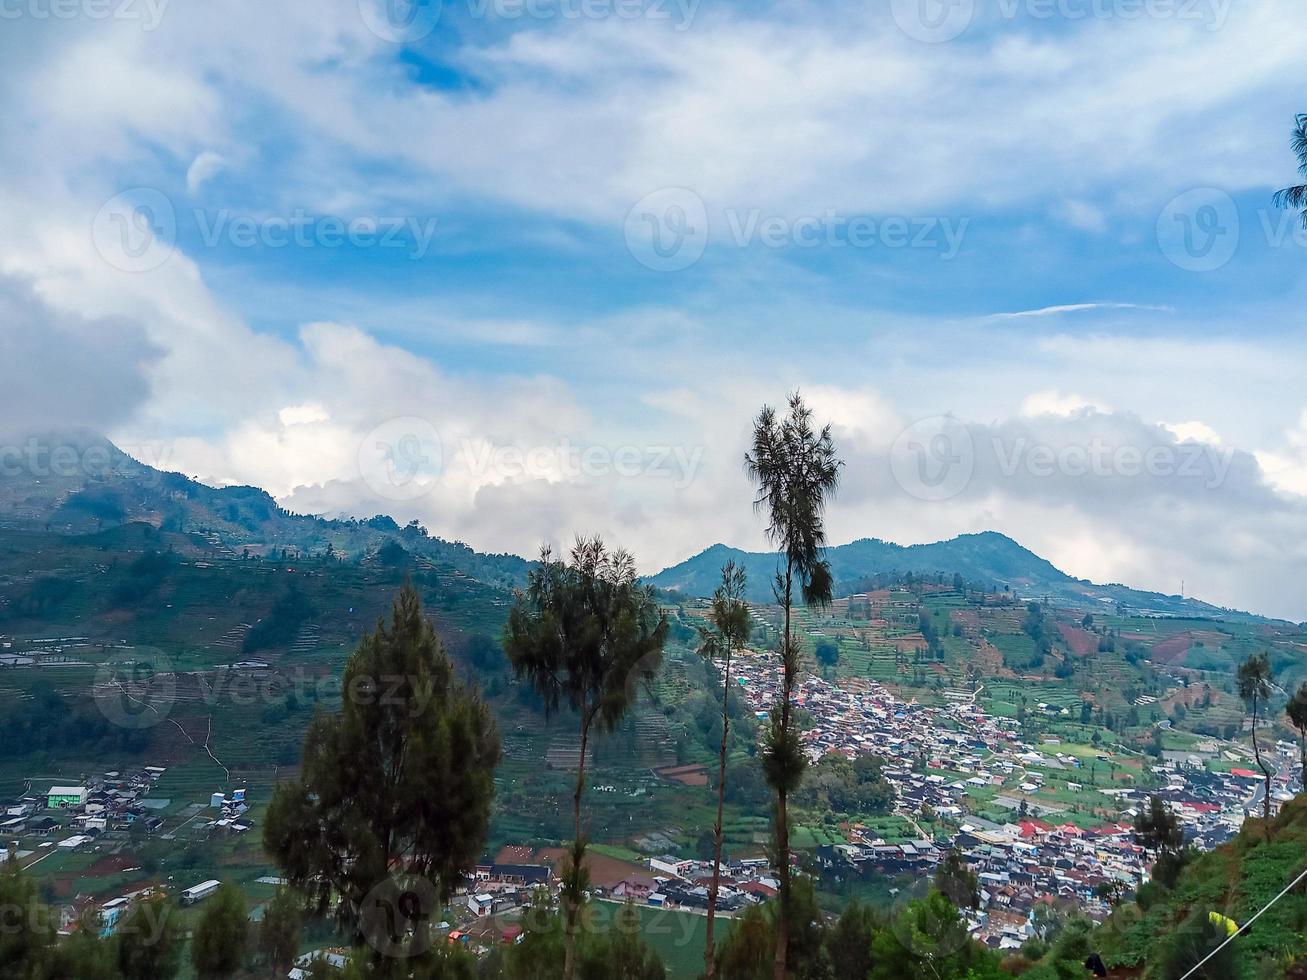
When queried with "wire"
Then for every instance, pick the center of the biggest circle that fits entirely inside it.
(1287, 888)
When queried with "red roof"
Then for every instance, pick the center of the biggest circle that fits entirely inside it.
(1245, 774)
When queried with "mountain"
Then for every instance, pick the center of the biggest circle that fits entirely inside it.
(78, 482)
(988, 560)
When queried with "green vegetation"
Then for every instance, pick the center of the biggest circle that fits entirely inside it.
(400, 778)
(796, 471)
(1234, 881)
(585, 634)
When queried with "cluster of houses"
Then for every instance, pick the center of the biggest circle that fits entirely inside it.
(674, 883)
(111, 801)
(940, 760)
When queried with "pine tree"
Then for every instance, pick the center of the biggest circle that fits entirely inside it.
(218, 943)
(731, 625)
(394, 798)
(796, 470)
(585, 633)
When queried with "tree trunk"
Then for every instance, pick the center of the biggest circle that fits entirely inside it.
(709, 965)
(783, 919)
(1266, 775)
(571, 907)
(782, 810)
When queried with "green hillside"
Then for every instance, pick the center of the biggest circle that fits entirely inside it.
(988, 560)
(1235, 880)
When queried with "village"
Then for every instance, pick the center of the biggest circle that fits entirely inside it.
(1045, 827)
(946, 761)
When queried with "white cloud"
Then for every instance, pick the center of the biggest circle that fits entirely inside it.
(1054, 311)
(792, 116)
(1056, 403)
(1194, 431)
(205, 166)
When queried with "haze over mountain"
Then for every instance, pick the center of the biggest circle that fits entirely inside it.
(79, 481)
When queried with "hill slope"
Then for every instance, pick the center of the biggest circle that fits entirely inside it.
(985, 560)
(78, 482)
(1235, 880)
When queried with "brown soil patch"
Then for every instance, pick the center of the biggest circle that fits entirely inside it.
(112, 864)
(1082, 642)
(605, 871)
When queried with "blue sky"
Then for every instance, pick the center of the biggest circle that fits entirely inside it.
(1037, 226)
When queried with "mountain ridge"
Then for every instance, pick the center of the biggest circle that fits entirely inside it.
(985, 560)
(78, 481)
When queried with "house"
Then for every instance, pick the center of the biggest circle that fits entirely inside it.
(63, 797)
(636, 887)
(335, 958)
(514, 874)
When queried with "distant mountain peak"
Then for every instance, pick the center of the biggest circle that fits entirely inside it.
(984, 559)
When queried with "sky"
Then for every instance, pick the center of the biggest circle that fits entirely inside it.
(523, 269)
